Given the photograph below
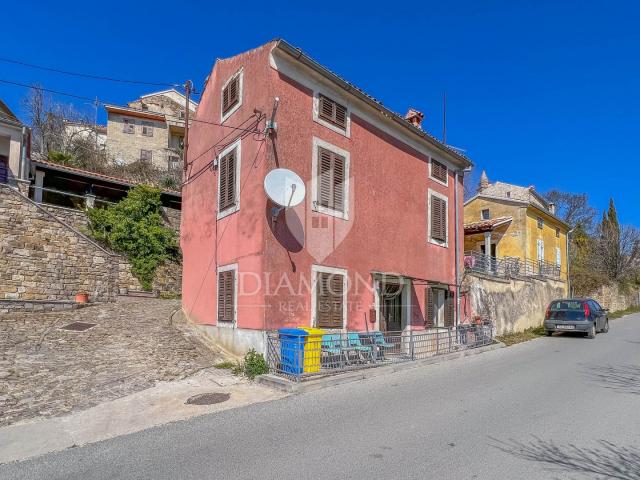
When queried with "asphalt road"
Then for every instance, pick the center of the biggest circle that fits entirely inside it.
(561, 407)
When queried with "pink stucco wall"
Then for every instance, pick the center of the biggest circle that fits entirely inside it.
(386, 230)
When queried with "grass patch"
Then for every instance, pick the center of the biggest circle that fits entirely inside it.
(524, 336)
(226, 365)
(622, 313)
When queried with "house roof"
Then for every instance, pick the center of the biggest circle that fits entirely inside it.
(485, 225)
(171, 90)
(134, 112)
(94, 175)
(7, 115)
(508, 192)
(301, 57)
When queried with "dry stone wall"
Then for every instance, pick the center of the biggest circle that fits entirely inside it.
(616, 299)
(46, 258)
(43, 258)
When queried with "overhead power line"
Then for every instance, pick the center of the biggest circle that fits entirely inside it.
(88, 75)
(93, 100)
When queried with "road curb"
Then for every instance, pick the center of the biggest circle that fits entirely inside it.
(288, 386)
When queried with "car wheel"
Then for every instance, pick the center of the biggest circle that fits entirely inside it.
(605, 329)
(592, 331)
(548, 333)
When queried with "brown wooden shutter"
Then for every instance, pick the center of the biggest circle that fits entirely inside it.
(329, 298)
(231, 94)
(438, 170)
(449, 309)
(331, 179)
(227, 172)
(428, 301)
(438, 219)
(332, 111)
(226, 292)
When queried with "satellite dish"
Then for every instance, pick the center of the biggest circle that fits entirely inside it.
(284, 187)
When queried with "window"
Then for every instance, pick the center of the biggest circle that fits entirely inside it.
(557, 233)
(173, 162)
(147, 129)
(440, 307)
(330, 286)
(227, 294)
(540, 250)
(146, 156)
(438, 171)
(181, 114)
(540, 222)
(232, 95)
(558, 257)
(486, 214)
(229, 180)
(437, 218)
(331, 182)
(332, 112)
(144, 106)
(509, 194)
(128, 125)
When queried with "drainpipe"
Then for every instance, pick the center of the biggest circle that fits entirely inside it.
(456, 255)
(22, 173)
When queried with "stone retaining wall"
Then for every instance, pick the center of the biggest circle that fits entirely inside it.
(46, 256)
(43, 258)
(513, 305)
(615, 299)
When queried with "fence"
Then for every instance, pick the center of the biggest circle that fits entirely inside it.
(62, 198)
(299, 357)
(507, 267)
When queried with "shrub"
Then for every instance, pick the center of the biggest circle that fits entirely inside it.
(254, 364)
(134, 227)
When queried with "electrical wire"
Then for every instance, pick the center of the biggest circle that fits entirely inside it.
(93, 100)
(87, 75)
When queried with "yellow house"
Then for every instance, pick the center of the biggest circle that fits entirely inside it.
(513, 222)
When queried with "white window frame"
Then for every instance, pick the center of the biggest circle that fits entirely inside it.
(226, 268)
(315, 269)
(316, 143)
(558, 257)
(234, 208)
(240, 74)
(540, 250)
(437, 180)
(432, 193)
(316, 113)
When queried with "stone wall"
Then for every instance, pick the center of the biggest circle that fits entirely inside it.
(46, 257)
(615, 299)
(512, 305)
(43, 258)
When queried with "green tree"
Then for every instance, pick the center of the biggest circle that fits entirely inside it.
(135, 228)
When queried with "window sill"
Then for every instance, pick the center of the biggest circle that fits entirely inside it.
(228, 211)
(344, 132)
(225, 324)
(437, 180)
(439, 243)
(329, 211)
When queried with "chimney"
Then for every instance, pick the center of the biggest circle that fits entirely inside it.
(552, 208)
(414, 117)
(484, 181)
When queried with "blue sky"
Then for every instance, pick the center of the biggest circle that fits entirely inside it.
(541, 93)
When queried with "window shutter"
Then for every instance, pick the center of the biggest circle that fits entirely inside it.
(428, 319)
(231, 94)
(438, 170)
(438, 219)
(449, 309)
(226, 292)
(331, 179)
(329, 298)
(227, 172)
(332, 111)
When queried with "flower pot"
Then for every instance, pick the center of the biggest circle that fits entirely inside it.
(82, 297)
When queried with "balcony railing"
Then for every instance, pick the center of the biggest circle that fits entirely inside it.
(509, 267)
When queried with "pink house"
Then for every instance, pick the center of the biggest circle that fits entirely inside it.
(377, 242)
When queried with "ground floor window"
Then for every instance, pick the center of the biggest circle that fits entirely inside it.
(329, 296)
(227, 297)
(440, 308)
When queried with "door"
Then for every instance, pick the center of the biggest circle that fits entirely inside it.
(4, 168)
(598, 314)
(391, 306)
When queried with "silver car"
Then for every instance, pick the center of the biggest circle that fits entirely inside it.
(576, 315)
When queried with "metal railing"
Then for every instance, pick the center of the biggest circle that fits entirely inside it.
(508, 267)
(299, 357)
(61, 198)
